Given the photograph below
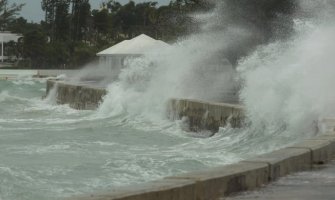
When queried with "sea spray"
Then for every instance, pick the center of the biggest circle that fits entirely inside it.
(288, 85)
(51, 96)
(3, 95)
(200, 66)
(192, 68)
(52, 152)
(285, 83)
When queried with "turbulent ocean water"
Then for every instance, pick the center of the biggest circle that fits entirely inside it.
(51, 151)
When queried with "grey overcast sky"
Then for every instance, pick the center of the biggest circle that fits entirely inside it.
(32, 10)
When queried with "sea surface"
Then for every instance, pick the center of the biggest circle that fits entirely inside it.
(50, 151)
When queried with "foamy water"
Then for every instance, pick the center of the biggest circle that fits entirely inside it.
(51, 151)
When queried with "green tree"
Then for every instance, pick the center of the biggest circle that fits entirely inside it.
(101, 20)
(20, 25)
(128, 15)
(62, 20)
(34, 48)
(81, 11)
(113, 6)
(49, 7)
(57, 18)
(115, 30)
(58, 55)
(8, 13)
(82, 54)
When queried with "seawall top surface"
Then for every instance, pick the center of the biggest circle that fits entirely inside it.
(221, 171)
(311, 185)
(237, 106)
(88, 84)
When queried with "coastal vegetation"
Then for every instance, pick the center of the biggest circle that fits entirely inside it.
(72, 32)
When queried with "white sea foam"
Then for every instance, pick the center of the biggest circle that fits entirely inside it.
(7, 96)
(3, 95)
(146, 84)
(51, 98)
(287, 86)
(21, 81)
(295, 88)
(38, 149)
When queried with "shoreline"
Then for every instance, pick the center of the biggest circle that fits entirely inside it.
(216, 182)
(227, 180)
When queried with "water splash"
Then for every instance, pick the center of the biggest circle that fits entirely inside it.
(286, 86)
(51, 97)
(192, 68)
(285, 83)
(289, 84)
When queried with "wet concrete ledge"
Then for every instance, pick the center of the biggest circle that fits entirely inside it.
(77, 96)
(202, 115)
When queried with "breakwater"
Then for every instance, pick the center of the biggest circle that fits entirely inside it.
(202, 115)
(81, 97)
(199, 115)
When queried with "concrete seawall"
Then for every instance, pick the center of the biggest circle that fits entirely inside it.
(81, 97)
(204, 115)
(199, 115)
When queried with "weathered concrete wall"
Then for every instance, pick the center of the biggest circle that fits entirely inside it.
(200, 115)
(206, 116)
(164, 189)
(222, 181)
(285, 161)
(79, 97)
(215, 183)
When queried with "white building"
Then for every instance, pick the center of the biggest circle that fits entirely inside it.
(115, 56)
(4, 38)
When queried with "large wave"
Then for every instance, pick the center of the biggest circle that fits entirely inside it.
(285, 82)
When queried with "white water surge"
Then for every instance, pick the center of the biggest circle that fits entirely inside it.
(50, 151)
(289, 84)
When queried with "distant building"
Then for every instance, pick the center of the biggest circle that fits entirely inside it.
(6, 37)
(115, 56)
